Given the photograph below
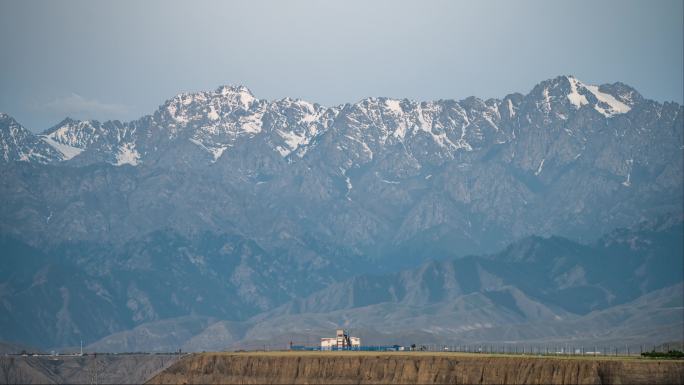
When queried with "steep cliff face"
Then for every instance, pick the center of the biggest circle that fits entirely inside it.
(382, 368)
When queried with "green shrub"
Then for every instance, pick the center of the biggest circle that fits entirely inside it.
(676, 354)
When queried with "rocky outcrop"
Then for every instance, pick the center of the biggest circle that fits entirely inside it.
(413, 368)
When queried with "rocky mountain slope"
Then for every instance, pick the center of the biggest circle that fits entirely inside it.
(378, 177)
(221, 206)
(537, 291)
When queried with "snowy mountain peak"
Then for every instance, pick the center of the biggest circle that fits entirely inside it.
(185, 108)
(241, 94)
(19, 144)
(66, 121)
(602, 101)
(69, 129)
(558, 96)
(71, 137)
(394, 105)
(233, 89)
(7, 122)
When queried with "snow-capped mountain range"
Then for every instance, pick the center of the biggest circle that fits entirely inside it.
(442, 164)
(224, 205)
(219, 120)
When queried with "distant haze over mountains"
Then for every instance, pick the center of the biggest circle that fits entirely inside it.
(221, 210)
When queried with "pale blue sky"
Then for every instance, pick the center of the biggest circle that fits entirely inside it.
(121, 59)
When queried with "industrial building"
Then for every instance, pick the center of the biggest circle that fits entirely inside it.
(343, 341)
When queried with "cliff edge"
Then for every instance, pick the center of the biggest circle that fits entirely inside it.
(413, 368)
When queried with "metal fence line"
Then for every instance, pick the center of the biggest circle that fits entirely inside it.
(625, 350)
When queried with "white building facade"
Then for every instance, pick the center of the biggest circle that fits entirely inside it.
(343, 341)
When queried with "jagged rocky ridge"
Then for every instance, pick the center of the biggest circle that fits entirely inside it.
(549, 162)
(274, 200)
(216, 121)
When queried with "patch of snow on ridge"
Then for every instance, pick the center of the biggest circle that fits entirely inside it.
(215, 151)
(511, 111)
(127, 155)
(364, 146)
(309, 112)
(246, 99)
(616, 106)
(491, 123)
(577, 99)
(213, 115)
(422, 123)
(394, 106)
(240, 94)
(547, 100)
(175, 115)
(628, 180)
(292, 140)
(541, 166)
(400, 131)
(383, 180)
(251, 124)
(67, 151)
(308, 118)
(283, 151)
(347, 181)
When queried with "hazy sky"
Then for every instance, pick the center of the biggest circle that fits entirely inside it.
(121, 59)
